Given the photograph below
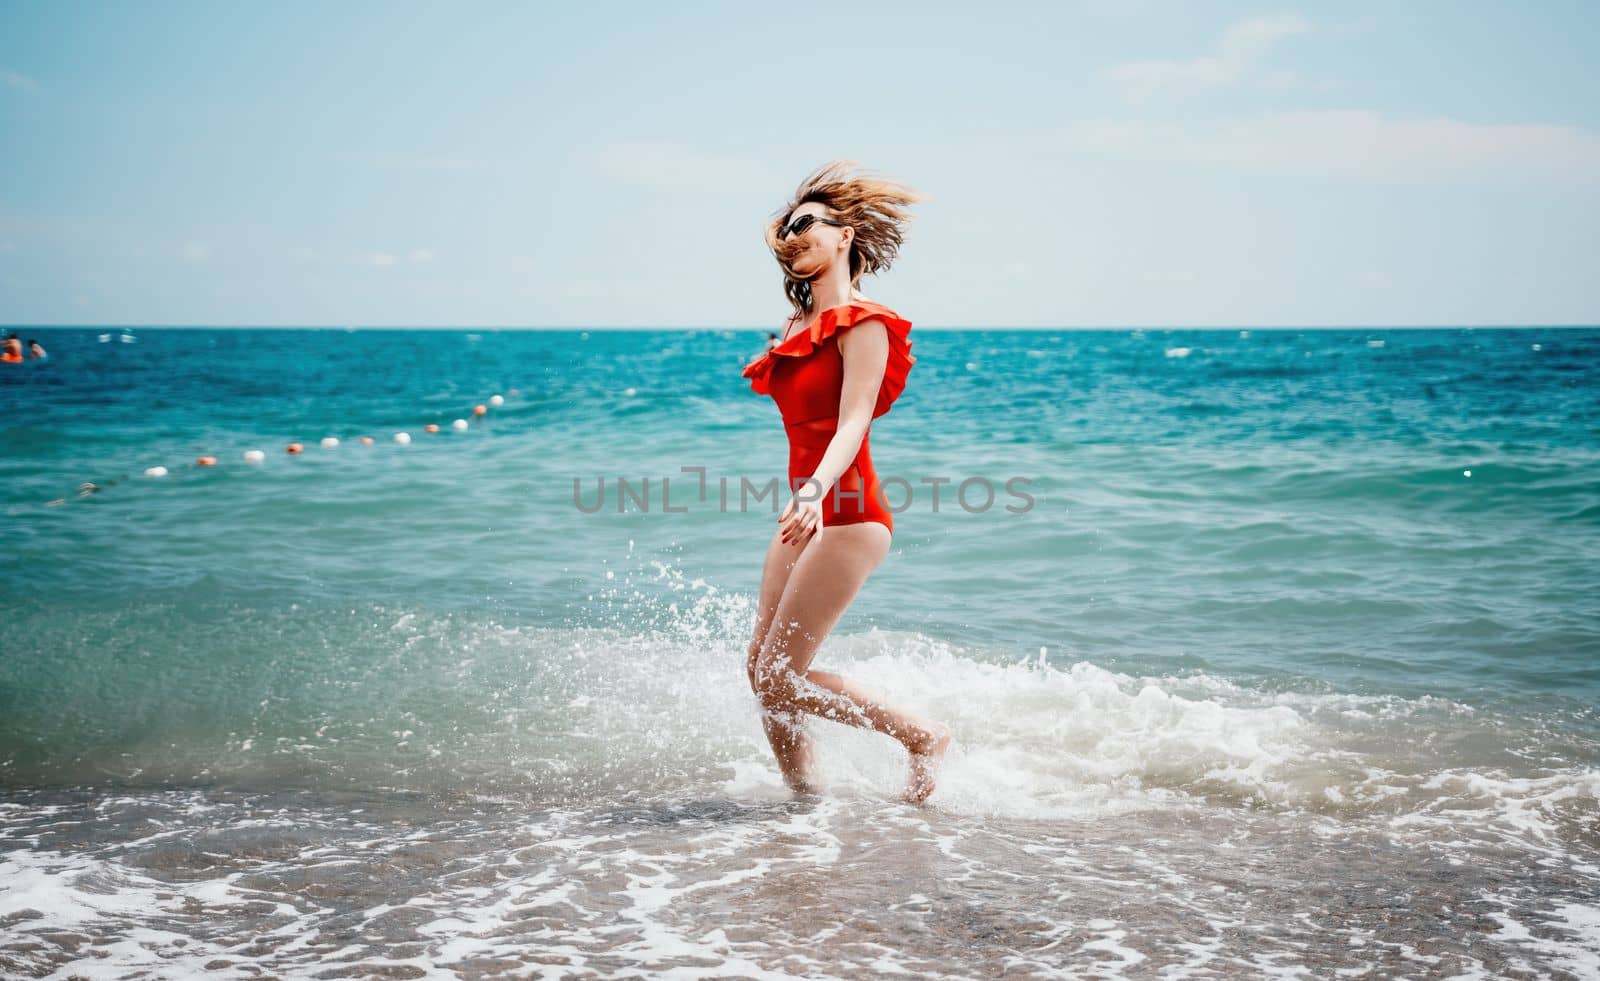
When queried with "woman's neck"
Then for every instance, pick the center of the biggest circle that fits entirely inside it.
(833, 288)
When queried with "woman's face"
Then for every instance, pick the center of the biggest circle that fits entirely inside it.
(808, 253)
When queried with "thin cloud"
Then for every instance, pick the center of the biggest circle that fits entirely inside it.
(1240, 46)
(17, 80)
(672, 167)
(1351, 143)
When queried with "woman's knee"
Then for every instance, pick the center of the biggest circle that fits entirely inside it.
(759, 667)
(752, 657)
(773, 681)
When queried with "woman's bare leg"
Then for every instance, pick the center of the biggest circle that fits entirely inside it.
(823, 582)
(790, 742)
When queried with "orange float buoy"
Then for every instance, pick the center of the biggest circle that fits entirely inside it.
(206, 461)
(366, 441)
(295, 447)
(479, 410)
(432, 427)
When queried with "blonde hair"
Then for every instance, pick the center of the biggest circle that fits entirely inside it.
(877, 209)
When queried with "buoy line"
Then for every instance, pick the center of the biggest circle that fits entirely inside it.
(256, 457)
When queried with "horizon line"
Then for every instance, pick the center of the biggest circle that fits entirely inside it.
(700, 327)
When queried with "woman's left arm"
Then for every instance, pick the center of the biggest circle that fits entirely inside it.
(865, 350)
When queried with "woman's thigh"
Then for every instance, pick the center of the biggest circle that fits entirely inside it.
(819, 588)
(775, 571)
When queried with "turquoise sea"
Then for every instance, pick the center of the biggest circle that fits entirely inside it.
(1285, 661)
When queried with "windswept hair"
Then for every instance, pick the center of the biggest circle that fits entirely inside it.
(876, 208)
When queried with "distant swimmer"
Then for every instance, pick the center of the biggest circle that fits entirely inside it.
(36, 351)
(12, 351)
(772, 341)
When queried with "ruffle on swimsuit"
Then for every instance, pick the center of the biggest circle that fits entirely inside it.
(831, 322)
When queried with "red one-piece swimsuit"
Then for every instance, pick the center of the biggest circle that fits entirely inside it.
(805, 375)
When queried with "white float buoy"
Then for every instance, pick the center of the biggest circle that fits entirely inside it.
(1466, 473)
(330, 441)
(497, 400)
(402, 438)
(459, 425)
(254, 456)
(155, 471)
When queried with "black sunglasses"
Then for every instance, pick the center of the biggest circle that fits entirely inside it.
(802, 223)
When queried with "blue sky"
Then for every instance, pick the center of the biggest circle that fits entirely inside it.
(1091, 163)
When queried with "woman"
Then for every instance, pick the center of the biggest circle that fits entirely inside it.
(841, 363)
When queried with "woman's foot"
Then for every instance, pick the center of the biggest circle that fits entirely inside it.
(926, 756)
(803, 785)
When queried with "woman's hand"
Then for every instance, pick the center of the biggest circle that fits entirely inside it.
(802, 518)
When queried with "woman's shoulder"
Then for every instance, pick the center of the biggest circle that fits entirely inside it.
(839, 321)
(860, 310)
(857, 308)
(868, 302)
(837, 324)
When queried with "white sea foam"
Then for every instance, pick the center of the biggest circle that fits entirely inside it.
(1034, 742)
